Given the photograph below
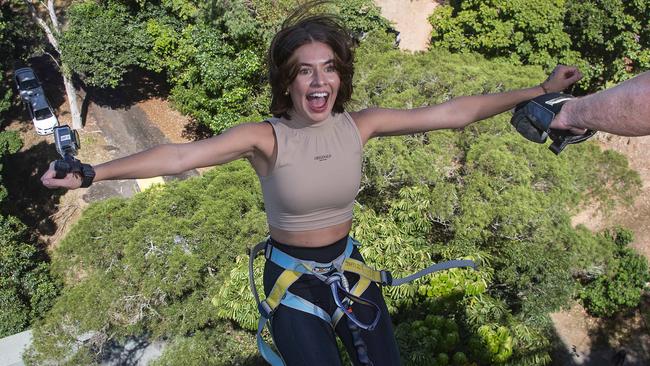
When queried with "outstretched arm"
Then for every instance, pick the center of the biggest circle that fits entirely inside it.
(242, 141)
(622, 110)
(458, 112)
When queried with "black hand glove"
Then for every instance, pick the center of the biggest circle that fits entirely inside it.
(532, 119)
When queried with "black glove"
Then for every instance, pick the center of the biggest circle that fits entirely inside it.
(532, 119)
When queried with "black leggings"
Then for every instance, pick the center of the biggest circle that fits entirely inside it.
(305, 339)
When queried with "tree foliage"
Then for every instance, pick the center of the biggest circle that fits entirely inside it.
(529, 32)
(608, 40)
(622, 284)
(27, 290)
(102, 42)
(148, 266)
(612, 36)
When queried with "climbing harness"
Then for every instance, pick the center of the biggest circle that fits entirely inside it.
(331, 274)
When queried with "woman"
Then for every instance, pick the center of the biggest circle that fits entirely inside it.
(308, 159)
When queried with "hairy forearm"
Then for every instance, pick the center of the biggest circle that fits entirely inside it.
(157, 161)
(621, 110)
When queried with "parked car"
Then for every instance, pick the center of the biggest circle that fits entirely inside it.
(33, 96)
(27, 83)
(42, 114)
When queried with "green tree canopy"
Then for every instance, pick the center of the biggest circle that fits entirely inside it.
(608, 40)
(102, 41)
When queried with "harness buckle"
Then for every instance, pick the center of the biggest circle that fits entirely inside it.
(386, 278)
(322, 270)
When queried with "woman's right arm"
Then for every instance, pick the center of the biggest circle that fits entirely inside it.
(242, 141)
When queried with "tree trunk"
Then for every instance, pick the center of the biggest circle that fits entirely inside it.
(71, 92)
(51, 32)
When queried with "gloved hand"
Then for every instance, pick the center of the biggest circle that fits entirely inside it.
(68, 173)
(532, 119)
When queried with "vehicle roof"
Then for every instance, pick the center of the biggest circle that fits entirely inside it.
(25, 73)
(38, 101)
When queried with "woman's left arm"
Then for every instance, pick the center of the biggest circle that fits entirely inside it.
(457, 112)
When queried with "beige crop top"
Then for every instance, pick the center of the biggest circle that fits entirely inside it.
(316, 175)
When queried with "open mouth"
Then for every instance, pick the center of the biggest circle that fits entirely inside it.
(317, 101)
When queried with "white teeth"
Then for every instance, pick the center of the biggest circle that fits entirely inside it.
(318, 95)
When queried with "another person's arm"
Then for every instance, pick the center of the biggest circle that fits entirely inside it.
(458, 112)
(169, 159)
(622, 110)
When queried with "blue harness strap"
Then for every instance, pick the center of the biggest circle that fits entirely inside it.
(332, 274)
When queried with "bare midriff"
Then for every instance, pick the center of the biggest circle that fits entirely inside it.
(312, 238)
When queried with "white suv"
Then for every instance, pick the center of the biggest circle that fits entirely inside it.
(33, 96)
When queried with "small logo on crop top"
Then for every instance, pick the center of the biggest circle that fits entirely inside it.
(322, 157)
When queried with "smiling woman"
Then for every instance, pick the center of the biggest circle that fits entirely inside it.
(308, 158)
(315, 88)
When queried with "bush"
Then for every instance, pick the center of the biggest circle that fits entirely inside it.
(102, 42)
(624, 283)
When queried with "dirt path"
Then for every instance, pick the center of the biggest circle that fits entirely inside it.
(410, 18)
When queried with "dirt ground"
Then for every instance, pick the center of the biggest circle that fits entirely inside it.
(592, 341)
(410, 19)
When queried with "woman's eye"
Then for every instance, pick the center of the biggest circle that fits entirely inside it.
(330, 68)
(304, 71)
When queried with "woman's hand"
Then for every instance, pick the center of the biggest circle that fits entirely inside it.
(70, 181)
(561, 78)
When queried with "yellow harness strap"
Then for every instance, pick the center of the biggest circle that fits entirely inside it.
(360, 268)
(286, 279)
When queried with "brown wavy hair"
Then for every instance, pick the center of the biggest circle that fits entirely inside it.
(300, 29)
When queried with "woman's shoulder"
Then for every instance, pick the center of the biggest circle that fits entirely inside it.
(365, 120)
(254, 133)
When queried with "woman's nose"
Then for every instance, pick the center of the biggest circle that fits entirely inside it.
(318, 78)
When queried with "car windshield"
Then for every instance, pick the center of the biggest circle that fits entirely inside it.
(28, 84)
(42, 113)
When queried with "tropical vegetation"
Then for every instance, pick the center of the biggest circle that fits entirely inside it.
(170, 264)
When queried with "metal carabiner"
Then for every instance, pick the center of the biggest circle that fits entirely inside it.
(335, 281)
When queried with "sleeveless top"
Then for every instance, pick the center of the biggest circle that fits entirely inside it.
(317, 173)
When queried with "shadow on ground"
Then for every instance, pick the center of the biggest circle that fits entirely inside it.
(137, 85)
(623, 340)
(27, 198)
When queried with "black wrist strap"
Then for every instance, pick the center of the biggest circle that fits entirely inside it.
(87, 175)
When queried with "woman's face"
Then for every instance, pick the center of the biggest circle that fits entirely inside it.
(313, 91)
